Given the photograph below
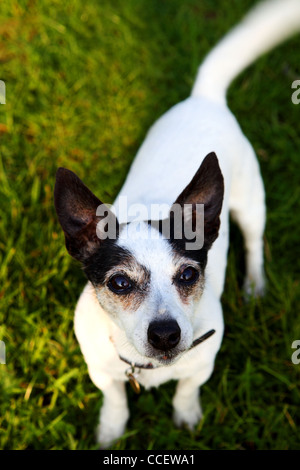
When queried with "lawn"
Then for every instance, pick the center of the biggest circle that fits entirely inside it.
(84, 81)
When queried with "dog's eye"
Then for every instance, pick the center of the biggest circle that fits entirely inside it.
(119, 284)
(188, 276)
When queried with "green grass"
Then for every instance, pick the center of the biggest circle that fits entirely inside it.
(84, 81)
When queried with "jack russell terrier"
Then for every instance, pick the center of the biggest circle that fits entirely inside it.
(151, 309)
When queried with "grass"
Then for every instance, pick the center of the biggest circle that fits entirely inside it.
(84, 81)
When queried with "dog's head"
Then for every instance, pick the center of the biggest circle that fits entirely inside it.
(149, 284)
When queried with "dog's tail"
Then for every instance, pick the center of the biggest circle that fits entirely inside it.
(267, 25)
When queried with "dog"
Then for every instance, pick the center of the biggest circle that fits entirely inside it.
(151, 309)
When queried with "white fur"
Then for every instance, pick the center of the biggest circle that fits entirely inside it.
(168, 159)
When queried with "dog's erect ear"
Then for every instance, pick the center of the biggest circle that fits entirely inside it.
(79, 211)
(206, 187)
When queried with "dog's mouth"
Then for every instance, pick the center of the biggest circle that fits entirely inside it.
(166, 358)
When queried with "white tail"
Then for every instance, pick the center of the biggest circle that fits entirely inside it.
(267, 25)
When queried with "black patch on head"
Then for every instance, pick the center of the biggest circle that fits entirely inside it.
(200, 256)
(179, 245)
(207, 188)
(103, 260)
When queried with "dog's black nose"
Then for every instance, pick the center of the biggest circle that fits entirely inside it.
(164, 335)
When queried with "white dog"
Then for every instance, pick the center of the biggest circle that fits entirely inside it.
(151, 310)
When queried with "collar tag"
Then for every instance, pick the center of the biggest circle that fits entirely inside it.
(132, 375)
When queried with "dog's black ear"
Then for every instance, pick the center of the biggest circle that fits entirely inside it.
(79, 213)
(206, 187)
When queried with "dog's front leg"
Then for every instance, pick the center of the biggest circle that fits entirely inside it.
(114, 412)
(186, 401)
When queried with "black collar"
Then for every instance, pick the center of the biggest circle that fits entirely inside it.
(151, 366)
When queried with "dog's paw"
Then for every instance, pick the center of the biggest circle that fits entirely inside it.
(107, 435)
(111, 425)
(254, 289)
(188, 417)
